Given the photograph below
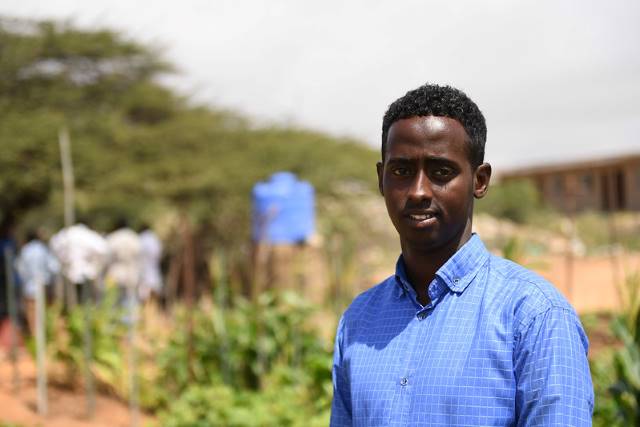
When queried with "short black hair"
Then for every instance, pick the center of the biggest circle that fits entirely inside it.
(441, 101)
(32, 234)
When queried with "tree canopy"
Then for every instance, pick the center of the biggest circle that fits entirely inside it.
(138, 147)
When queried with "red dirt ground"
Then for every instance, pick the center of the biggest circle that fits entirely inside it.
(66, 407)
(589, 283)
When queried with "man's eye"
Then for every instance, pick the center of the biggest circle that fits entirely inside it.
(400, 171)
(443, 173)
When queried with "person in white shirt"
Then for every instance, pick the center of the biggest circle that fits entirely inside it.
(124, 256)
(123, 270)
(82, 252)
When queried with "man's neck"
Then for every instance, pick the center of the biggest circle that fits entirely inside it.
(421, 266)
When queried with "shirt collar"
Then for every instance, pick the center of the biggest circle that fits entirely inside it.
(401, 278)
(459, 270)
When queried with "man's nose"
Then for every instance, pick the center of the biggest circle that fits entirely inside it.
(420, 188)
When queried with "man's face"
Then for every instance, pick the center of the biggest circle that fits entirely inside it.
(428, 183)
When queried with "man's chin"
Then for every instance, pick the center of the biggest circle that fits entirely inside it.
(423, 244)
(432, 243)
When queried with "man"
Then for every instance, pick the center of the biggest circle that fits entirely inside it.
(457, 336)
(124, 265)
(37, 267)
(83, 254)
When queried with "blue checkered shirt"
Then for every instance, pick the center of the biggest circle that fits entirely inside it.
(497, 345)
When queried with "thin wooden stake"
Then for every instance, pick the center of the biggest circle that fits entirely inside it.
(67, 177)
(88, 349)
(41, 348)
(13, 316)
(220, 298)
(613, 239)
(68, 183)
(190, 285)
(133, 384)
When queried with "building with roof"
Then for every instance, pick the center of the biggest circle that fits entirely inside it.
(607, 184)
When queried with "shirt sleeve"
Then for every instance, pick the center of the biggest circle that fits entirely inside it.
(341, 404)
(552, 372)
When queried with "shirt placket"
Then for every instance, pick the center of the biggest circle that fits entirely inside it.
(404, 381)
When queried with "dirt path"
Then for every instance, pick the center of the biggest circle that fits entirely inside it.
(589, 283)
(66, 407)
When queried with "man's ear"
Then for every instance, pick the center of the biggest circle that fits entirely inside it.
(380, 169)
(481, 179)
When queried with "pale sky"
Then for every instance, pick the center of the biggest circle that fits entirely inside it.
(556, 80)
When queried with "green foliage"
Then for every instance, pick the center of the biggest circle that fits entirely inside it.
(616, 376)
(605, 409)
(49, 65)
(600, 230)
(517, 201)
(513, 250)
(240, 346)
(250, 365)
(626, 362)
(285, 402)
(66, 338)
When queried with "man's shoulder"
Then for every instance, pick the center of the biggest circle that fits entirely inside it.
(33, 245)
(530, 293)
(371, 299)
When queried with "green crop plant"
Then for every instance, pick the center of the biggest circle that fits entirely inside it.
(626, 363)
(251, 348)
(617, 375)
(254, 336)
(65, 341)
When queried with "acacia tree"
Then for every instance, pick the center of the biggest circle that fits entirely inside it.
(138, 147)
(53, 75)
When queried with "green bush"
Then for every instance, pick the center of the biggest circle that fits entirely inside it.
(603, 375)
(66, 337)
(238, 346)
(253, 364)
(599, 230)
(518, 201)
(616, 376)
(286, 401)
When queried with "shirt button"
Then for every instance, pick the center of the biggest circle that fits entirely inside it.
(404, 382)
(456, 280)
(422, 316)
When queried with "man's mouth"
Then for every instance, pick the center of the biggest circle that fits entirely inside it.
(421, 217)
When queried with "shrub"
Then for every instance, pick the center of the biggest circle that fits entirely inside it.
(617, 377)
(253, 364)
(518, 201)
(66, 339)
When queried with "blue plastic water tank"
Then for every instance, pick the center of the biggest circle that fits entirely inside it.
(283, 209)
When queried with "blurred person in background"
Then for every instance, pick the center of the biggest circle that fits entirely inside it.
(150, 255)
(37, 266)
(83, 254)
(457, 336)
(8, 276)
(124, 262)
